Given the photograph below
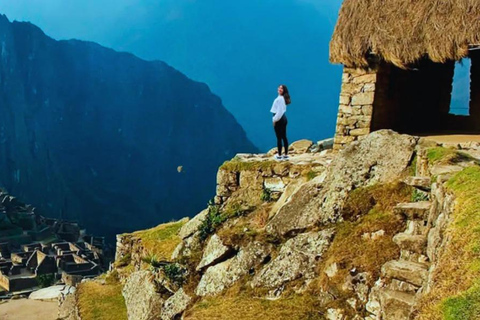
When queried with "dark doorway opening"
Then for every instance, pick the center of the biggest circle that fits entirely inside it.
(428, 97)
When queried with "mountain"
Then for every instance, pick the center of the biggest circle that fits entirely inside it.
(104, 137)
(242, 49)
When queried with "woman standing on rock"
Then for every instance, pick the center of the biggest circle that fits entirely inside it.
(279, 108)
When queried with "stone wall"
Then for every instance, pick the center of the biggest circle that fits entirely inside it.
(356, 106)
(129, 250)
(68, 307)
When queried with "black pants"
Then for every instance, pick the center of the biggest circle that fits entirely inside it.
(281, 133)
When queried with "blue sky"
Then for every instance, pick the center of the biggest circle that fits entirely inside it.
(241, 49)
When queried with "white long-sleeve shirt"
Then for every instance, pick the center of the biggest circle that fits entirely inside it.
(278, 108)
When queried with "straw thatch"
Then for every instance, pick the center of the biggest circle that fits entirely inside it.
(404, 31)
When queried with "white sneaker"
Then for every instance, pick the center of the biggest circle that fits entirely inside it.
(285, 157)
(277, 157)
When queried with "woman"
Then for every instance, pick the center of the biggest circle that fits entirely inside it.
(279, 108)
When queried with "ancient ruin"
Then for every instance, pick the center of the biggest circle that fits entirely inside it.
(32, 246)
(399, 66)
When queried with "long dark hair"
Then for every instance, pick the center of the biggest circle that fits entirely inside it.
(286, 95)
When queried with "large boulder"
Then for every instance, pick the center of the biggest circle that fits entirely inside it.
(175, 305)
(380, 157)
(214, 252)
(300, 146)
(192, 226)
(187, 247)
(223, 275)
(298, 258)
(142, 300)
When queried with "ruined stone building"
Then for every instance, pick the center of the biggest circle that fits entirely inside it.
(399, 58)
(32, 245)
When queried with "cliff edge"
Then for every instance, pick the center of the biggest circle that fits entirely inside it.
(385, 229)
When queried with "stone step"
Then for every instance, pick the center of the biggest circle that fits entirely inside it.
(413, 256)
(422, 183)
(396, 305)
(414, 243)
(397, 285)
(413, 210)
(417, 227)
(412, 272)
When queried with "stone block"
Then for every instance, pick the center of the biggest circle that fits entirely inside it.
(345, 99)
(274, 184)
(340, 130)
(251, 179)
(367, 110)
(227, 178)
(360, 132)
(413, 243)
(357, 111)
(222, 191)
(344, 139)
(348, 121)
(413, 210)
(368, 87)
(349, 89)
(363, 124)
(363, 98)
(346, 77)
(366, 78)
(411, 272)
(301, 146)
(345, 109)
(396, 305)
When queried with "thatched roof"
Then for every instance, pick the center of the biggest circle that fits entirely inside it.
(404, 31)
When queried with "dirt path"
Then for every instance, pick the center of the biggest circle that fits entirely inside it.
(29, 310)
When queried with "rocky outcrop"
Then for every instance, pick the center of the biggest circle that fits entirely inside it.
(381, 157)
(214, 252)
(192, 225)
(297, 258)
(141, 297)
(175, 305)
(223, 275)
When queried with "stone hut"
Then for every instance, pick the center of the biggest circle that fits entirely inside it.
(399, 58)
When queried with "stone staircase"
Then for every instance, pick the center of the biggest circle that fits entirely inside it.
(403, 279)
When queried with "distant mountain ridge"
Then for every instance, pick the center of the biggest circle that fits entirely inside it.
(91, 134)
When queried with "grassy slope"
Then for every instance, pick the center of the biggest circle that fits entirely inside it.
(161, 240)
(457, 293)
(246, 307)
(372, 209)
(101, 302)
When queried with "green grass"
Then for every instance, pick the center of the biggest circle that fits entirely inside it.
(367, 210)
(216, 217)
(456, 294)
(237, 165)
(418, 195)
(465, 306)
(212, 221)
(248, 307)
(266, 195)
(162, 240)
(439, 154)
(101, 302)
(311, 175)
